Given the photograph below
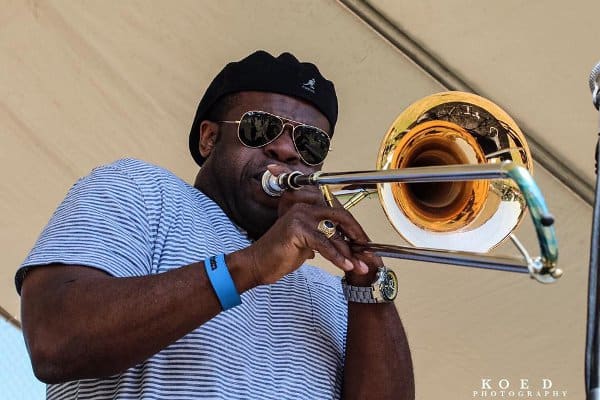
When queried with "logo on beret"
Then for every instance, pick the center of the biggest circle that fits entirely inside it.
(309, 85)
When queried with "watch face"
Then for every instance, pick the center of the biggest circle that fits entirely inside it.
(389, 286)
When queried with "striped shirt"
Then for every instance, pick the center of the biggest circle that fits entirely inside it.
(285, 341)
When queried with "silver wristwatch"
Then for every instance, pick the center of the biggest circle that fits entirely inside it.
(383, 290)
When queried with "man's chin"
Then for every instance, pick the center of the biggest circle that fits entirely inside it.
(258, 219)
(259, 211)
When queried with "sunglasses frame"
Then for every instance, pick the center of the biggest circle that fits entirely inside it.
(284, 122)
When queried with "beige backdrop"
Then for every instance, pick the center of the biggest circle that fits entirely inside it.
(85, 83)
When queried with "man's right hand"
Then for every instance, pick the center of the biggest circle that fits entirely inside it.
(294, 238)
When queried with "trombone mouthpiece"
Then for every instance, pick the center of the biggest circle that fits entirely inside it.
(274, 186)
(270, 184)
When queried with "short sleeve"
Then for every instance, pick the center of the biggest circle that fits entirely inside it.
(101, 223)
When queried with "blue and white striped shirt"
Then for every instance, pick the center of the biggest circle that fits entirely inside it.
(285, 340)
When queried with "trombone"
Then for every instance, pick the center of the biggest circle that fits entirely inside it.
(453, 176)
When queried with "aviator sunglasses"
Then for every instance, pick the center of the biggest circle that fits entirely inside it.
(259, 128)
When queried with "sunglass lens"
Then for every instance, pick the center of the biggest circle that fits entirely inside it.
(312, 144)
(258, 129)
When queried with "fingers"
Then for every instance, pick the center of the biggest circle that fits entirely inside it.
(334, 248)
(337, 254)
(349, 228)
(341, 245)
(337, 247)
(346, 223)
(305, 196)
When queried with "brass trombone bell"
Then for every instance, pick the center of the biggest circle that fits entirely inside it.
(453, 128)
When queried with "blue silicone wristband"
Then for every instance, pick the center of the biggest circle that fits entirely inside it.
(220, 279)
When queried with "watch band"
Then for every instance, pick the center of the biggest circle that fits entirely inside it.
(383, 290)
(358, 294)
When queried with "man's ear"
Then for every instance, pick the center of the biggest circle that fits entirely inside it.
(209, 132)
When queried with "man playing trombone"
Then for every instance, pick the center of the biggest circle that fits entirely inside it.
(142, 286)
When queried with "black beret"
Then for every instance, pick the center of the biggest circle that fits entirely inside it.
(262, 72)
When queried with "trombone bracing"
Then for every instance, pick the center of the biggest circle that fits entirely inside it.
(453, 177)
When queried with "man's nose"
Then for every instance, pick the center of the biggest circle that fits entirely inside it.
(282, 148)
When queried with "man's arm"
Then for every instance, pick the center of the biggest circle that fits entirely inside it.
(79, 322)
(378, 363)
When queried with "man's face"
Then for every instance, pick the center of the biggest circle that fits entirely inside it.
(236, 170)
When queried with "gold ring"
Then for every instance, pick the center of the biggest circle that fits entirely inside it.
(327, 228)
